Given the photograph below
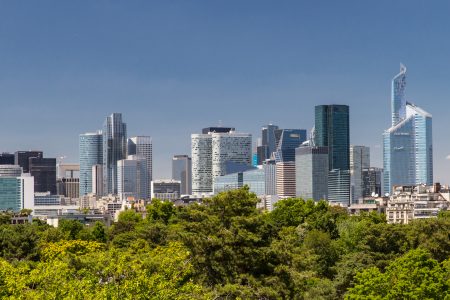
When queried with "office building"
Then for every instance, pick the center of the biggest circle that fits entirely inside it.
(254, 179)
(91, 154)
(311, 172)
(359, 160)
(132, 178)
(372, 182)
(44, 172)
(6, 159)
(182, 171)
(10, 170)
(68, 170)
(268, 143)
(68, 187)
(408, 145)
(22, 158)
(287, 140)
(97, 180)
(16, 193)
(142, 147)
(114, 149)
(216, 154)
(285, 179)
(332, 130)
(166, 189)
(270, 175)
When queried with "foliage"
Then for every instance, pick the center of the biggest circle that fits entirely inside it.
(225, 248)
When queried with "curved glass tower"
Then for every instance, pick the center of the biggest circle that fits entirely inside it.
(408, 144)
(90, 147)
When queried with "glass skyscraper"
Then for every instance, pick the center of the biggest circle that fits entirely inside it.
(142, 146)
(287, 140)
(114, 149)
(91, 154)
(408, 145)
(332, 130)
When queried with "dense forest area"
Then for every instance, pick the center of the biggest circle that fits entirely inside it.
(226, 248)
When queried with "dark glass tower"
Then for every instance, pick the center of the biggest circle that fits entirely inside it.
(114, 149)
(332, 130)
(6, 159)
(44, 172)
(268, 143)
(22, 158)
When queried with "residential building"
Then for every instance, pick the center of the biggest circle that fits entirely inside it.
(311, 172)
(114, 149)
(91, 154)
(182, 171)
(408, 145)
(166, 189)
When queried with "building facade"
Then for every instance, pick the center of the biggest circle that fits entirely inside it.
(359, 160)
(311, 172)
(16, 193)
(91, 153)
(10, 170)
(132, 178)
(372, 182)
(182, 171)
(142, 146)
(408, 145)
(6, 159)
(114, 149)
(44, 172)
(166, 190)
(22, 158)
(254, 179)
(285, 179)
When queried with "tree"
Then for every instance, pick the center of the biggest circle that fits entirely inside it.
(160, 211)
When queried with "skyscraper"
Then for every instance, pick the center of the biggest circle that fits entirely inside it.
(408, 145)
(132, 178)
(268, 143)
(114, 149)
(182, 171)
(216, 154)
(311, 172)
(332, 130)
(6, 159)
(44, 172)
(287, 140)
(21, 158)
(10, 170)
(142, 147)
(359, 160)
(91, 154)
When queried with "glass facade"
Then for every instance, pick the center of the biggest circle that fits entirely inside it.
(254, 179)
(91, 154)
(311, 172)
(181, 171)
(44, 172)
(114, 149)
(287, 141)
(10, 194)
(407, 145)
(142, 146)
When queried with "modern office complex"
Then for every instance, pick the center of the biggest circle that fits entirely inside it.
(97, 180)
(182, 171)
(359, 160)
(44, 172)
(22, 158)
(372, 182)
(332, 130)
(6, 159)
(114, 149)
(287, 140)
(132, 178)
(142, 147)
(68, 187)
(311, 172)
(91, 154)
(16, 193)
(10, 170)
(270, 173)
(254, 179)
(408, 145)
(268, 143)
(216, 154)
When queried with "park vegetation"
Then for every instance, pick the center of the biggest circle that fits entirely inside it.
(226, 248)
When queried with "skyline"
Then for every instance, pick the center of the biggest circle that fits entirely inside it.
(63, 78)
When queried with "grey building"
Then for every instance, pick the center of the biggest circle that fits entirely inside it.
(311, 172)
(372, 182)
(254, 179)
(132, 178)
(182, 171)
(10, 170)
(339, 186)
(270, 175)
(166, 190)
(359, 160)
(114, 149)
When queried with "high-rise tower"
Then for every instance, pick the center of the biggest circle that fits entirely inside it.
(91, 154)
(408, 145)
(114, 149)
(142, 146)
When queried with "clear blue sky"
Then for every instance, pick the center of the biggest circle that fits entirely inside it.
(173, 67)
